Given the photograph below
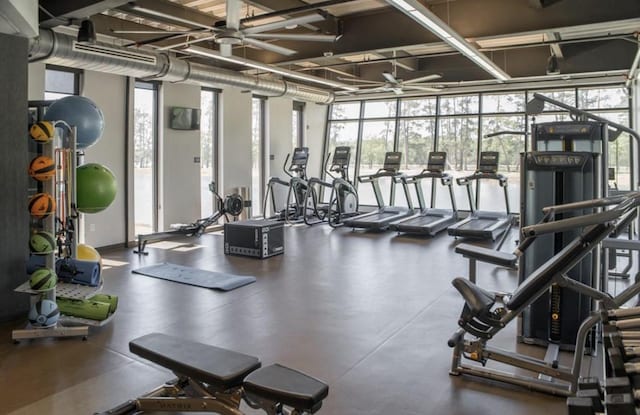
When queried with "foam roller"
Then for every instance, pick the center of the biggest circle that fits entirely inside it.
(112, 300)
(92, 310)
(78, 272)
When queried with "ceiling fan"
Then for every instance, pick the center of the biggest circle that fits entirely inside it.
(232, 33)
(398, 86)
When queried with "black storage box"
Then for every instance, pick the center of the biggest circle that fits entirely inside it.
(254, 238)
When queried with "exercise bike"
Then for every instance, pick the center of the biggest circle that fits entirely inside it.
(343, 199)
(232, 204)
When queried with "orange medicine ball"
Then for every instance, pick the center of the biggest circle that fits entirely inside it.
(42, 168)
(41, 205)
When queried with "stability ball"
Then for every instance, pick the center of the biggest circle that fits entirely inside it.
(82, 113)
(88, 253)
(96, 187)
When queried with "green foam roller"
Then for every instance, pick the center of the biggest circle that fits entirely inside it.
(112, 300)
(92, 310)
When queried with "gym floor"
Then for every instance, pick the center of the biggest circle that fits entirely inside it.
(370, 314)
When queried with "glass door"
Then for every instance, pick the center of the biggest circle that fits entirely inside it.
(145, 157)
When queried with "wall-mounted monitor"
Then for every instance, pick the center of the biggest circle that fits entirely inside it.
(184, 118)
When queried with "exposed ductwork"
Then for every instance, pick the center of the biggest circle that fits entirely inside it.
(60, 49)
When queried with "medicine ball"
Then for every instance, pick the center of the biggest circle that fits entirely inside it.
(43, 279)
(44, 313)
(42, 168)
(41, 205)
(42, 242)
(42, 132)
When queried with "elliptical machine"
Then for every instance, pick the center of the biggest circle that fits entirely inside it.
(343, 199)
(297, 185)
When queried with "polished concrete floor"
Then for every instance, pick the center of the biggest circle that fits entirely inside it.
(368, 313)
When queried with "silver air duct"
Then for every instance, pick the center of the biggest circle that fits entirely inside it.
(63, 50)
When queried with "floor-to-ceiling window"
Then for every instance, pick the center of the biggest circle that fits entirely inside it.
(257, 154)
(503, 113)
(378, 137)
(208, 150)
(145, 120)
(612, 104)
(459, 124)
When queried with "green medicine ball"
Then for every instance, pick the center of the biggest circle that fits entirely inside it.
(43, 279)
(96, 187)
(42, 243)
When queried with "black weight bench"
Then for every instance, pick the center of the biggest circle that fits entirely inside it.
(212, 379)
(477, 253)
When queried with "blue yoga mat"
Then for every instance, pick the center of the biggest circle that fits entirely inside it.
(194, 276)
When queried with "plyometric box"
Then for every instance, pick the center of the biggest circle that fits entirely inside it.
(254, 238)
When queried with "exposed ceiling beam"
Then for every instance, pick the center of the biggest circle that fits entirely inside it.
(169, 12)
(64, 11)
(470, 18)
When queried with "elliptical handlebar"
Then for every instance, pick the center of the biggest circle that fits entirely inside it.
(284, 165)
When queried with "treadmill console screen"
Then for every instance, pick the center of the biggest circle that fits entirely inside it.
(437, 160)
(488, 162)
(392, 161)
(300, 156)
(341, 156)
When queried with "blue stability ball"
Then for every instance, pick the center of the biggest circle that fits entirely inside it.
(82, 113)
(96, 187)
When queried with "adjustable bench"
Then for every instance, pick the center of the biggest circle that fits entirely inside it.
(212, 379)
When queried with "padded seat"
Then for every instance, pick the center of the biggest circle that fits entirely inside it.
(223, 369)
(478, 300)
(281, 384)
(491, 256)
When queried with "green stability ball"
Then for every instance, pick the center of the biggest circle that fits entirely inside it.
(96, 187)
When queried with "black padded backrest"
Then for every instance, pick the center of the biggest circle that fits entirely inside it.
(392, 161)
(488, 162)
(220, 368)
(437, 161)
(542, 278)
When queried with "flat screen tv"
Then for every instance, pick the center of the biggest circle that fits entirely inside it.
(184, 118)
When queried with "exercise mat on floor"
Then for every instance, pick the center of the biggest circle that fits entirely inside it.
(194, 276)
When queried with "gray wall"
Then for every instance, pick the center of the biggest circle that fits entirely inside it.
(14, 217)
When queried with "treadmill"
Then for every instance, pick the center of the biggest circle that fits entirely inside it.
(483, 224)
(380, 218)
(430, 221)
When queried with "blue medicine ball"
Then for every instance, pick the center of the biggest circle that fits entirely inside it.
(79, 112)
(44, 313)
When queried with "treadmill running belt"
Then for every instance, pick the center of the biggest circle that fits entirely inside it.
(478, 224)
(377, 217)
(421, 221)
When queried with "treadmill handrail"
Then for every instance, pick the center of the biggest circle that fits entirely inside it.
(378, 174)
(429, 174)
(478, 175)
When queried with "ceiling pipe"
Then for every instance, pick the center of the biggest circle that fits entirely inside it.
(64, 50)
